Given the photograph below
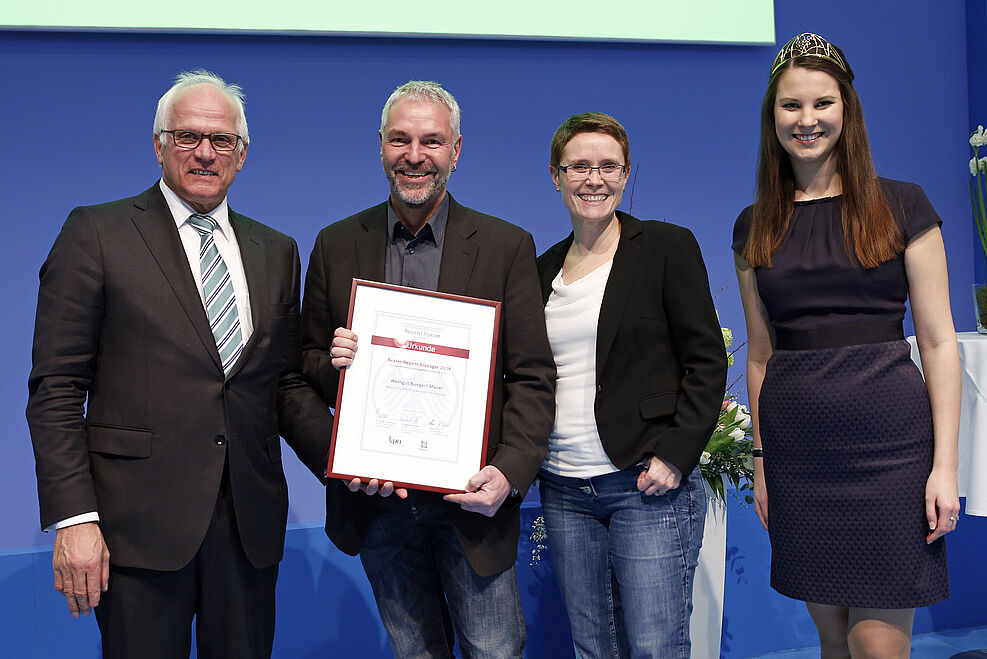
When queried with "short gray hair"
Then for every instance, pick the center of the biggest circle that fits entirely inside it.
(186, 79)
(423, 91)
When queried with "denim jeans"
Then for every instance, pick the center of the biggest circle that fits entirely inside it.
(625, 561)
(426, 590)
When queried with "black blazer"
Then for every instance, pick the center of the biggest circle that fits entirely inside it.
(129, 410)
(660, 360)
(482, 257)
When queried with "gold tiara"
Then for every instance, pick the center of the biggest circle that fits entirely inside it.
(807, 44)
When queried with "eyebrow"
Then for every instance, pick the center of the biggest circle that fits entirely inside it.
(831, 97)
(395, 132)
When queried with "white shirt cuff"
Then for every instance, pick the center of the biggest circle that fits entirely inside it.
(72, 521)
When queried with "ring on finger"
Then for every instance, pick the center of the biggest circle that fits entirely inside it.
(955, 518)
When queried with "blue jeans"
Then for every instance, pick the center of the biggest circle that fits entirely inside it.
(625, 561)
(426, 590)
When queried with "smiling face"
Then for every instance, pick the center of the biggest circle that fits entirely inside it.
(200, 176)
(418, 151)
(808, 115)
(592, 199)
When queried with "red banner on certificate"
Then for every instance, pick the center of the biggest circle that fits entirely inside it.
(404, 344)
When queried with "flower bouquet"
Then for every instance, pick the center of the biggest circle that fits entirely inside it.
(727, 457)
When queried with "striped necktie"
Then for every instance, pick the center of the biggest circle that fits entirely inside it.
(218, 290)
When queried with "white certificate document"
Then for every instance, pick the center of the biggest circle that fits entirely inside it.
(414, 406)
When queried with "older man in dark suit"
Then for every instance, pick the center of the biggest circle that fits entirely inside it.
(166, 362)
(437, 564)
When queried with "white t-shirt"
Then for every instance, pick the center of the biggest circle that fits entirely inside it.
(572, 316)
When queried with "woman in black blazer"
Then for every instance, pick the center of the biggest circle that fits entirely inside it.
(642, 370)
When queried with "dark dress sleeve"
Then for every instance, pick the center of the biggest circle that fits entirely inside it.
(920, 213)
(741, 229)
(911, 208)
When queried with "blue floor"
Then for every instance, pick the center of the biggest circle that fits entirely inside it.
(940, 645)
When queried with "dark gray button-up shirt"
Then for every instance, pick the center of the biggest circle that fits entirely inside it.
(415, 260)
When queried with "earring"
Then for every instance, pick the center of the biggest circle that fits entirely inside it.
(453, 168)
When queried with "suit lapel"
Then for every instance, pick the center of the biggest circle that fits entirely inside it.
(370, 244)
(618, 289)
(458, 251)
(156, 225)
(253, 254)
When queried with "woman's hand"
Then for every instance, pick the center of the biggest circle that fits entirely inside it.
(660, 477)
(942, 503)
(760, 493)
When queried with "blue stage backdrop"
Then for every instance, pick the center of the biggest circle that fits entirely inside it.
(76, 129)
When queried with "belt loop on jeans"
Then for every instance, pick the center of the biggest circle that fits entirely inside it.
(590, 486)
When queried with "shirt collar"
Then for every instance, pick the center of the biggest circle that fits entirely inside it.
(180, 210)
(436, 224)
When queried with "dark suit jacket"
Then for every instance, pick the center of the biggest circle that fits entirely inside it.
(660, 360)
(120, 322)
(482, 257)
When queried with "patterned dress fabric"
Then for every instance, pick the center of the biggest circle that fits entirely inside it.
(846, 431)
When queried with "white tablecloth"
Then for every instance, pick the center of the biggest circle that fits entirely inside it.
(707, 593)
(973, 420)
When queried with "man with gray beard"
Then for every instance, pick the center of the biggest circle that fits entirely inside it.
(441, 567)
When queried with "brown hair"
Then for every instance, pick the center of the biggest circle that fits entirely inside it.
(870, 232)
(589, 122)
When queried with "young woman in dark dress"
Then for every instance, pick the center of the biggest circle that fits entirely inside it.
(859, 453)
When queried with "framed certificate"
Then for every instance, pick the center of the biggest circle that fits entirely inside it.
(414, 406)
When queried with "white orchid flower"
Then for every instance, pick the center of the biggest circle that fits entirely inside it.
(704, 458)
(744, 417)
(977, 139)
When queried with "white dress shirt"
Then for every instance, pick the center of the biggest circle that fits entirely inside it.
(226, 243)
